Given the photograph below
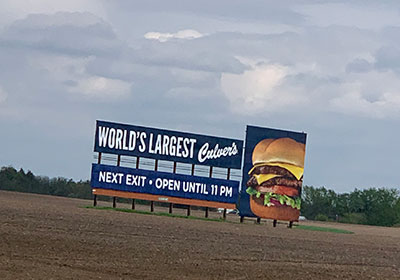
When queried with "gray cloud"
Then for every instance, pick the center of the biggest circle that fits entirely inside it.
(64, 33)
(359, 65)
(193, 54)
(388, 57)
(83, 34)
(3, 95)
(258, 10)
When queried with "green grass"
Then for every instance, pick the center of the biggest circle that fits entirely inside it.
(324, 229)
(303, 227)
(155, 213)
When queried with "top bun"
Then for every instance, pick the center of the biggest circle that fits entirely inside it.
(284, 150)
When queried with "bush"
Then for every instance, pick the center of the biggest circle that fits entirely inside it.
(321, 217)
(353, 218)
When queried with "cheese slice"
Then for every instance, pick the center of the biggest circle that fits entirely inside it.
(261, 178)
(295, 170)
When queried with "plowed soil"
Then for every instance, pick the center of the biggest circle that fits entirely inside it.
(44, 237)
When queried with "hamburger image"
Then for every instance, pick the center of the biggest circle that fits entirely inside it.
(276, 179)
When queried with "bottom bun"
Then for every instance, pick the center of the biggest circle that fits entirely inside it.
(283, 212)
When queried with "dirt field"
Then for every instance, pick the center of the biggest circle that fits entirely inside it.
(44, 237)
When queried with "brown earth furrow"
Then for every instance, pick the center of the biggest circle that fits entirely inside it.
(44, 237)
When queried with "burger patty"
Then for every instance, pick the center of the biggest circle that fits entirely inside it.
(268, 169)
(282, 181)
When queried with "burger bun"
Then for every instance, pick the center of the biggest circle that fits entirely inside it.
(283, 150)
(284, 213)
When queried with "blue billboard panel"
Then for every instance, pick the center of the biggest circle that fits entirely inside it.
(272, 174)
(169, 145)
(164, 184)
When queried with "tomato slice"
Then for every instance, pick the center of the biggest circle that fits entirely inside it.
(279, 190)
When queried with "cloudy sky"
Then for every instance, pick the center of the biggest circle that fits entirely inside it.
(328, 68)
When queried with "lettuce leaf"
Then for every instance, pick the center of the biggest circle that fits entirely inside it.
(251, 191)
(294, 202)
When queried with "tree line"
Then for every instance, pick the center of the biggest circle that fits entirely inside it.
(373, 206)
(21, 181)
(369, 206)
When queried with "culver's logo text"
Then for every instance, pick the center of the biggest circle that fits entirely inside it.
(166, 145)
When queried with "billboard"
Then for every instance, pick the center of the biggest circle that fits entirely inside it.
(130, 140)
(272, 174)
(175, 146)
(164, 184)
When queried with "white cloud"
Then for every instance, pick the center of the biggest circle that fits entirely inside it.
(256, 90)
(102, 88)
(272, 87)
(183, 34)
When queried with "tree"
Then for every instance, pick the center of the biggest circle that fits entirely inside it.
(370, 206)
(21, 181)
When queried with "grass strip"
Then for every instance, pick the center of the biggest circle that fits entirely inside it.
(154, 213)
(324, 229)
(303, 227)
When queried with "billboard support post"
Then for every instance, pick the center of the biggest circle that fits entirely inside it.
(171, 205)
(228, 177)
(174, 168)
(241, 219)
(274, 223)
(258, 220)
(155, 169)
(115, 198)
(290, 224)
(95, 196)
(210, 175)
(137, 167)
(188, 208)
